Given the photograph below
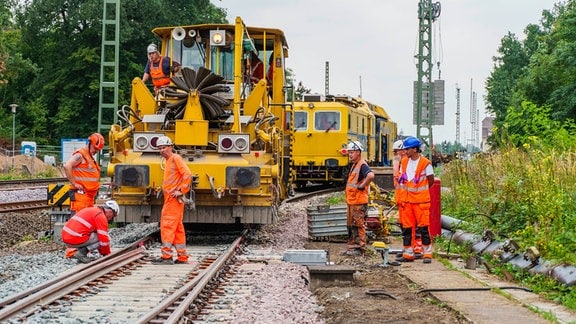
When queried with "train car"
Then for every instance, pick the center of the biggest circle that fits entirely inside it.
(323, 126)
(227, 126)
(386, 133)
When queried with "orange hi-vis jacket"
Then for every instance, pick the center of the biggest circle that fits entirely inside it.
(396, 175)
(176, 176)
(353, 195)
(417, 190)
(77, 229)
(87, 173)
(159, 79)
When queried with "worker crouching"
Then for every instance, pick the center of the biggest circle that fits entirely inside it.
(87, 231)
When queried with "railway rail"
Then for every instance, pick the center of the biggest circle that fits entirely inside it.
(8, 185)
(23, 206)
(125, 286)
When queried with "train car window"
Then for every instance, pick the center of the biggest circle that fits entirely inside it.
(300, 120)
(349, 121)
(327, 120)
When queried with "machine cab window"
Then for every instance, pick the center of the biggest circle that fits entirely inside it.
(327, 121)
(300, 120)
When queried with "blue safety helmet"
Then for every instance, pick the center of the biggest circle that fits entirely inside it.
(411, 141)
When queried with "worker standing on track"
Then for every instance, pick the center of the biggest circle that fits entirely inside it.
(87, 231)
(416, 179)
(357, 185)
(176, 183)
(83, 172)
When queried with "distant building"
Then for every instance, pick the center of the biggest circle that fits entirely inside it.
(487, 125)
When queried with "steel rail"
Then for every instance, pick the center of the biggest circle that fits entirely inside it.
(67, 284)
(191, 289)
(23, 205)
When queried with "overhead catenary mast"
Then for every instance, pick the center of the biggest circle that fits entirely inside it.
(457, 114)
(424, 94)
(327, 79)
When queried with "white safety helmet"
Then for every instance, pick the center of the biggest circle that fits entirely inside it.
(398, 145)
(152, 48)
(112, 205)
(355, 146)
(164, 141)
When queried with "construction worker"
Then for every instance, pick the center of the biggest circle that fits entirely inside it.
(87, 231)
(158, 68)
(83, 172)
(357, 185)
(399, 153)
(416, 179)
(176, 183)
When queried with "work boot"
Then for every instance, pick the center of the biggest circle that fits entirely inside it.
(403, 259)
(427, 260)
(180, 262)
(162, 261)
(81, 257)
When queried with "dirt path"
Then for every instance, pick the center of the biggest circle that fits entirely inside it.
(351, 303)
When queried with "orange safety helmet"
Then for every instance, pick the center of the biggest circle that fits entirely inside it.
(96, 140)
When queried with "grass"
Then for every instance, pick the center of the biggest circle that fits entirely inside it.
(524, 195)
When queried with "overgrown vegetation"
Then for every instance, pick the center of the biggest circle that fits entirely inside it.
(522, 194)
(525, 195)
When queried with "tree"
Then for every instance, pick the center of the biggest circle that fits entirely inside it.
(501, 83)
(60, 41)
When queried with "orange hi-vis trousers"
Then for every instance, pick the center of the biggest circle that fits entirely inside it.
(172, 231)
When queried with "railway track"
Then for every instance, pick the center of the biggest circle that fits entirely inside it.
(126, 288)
(8, 185)
(23, 206)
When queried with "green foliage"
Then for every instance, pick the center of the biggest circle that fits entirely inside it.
(50, 59)
(532, 88)
(524, 195)
(336, 199)
(531, 126)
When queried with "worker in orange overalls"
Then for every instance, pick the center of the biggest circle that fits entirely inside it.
(359, 178)
(399, 153)
(159, 68)
(416, 179)
(83, 172)
(87, 230)
(176, 183)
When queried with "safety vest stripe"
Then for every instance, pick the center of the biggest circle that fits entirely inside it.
(71, 232)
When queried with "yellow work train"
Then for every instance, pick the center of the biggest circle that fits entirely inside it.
(228, 127)
(323, 125)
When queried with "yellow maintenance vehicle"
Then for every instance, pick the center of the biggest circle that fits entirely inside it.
(227, 125)
(323, 127)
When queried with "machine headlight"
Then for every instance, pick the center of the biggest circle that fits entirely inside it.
(141, 142)
(240, 143)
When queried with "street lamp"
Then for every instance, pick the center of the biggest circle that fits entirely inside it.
(13, 107)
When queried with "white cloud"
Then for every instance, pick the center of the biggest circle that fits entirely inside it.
(376, 40)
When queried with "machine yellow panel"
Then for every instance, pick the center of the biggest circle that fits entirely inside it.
(192, 132)
(58, 194)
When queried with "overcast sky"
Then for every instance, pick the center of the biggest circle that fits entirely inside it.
(375, 41)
